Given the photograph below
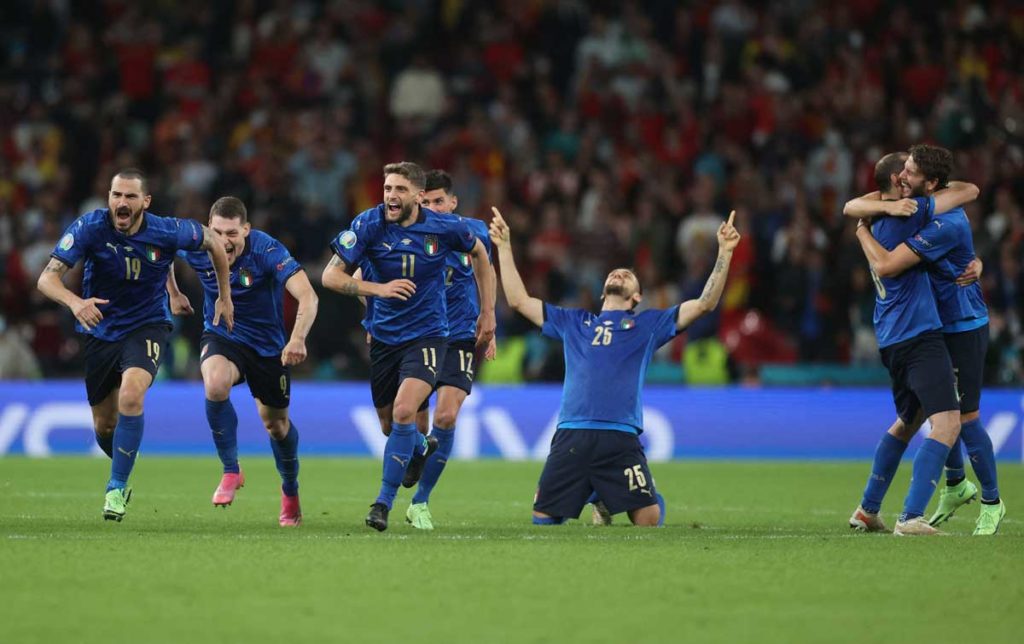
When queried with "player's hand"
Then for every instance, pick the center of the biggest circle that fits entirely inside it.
(400, 289)
(498, 230)
(492, 349)
(180, 305)
(87, 312)
(224, 309)
(900, 208)
(485, 327)
(971, 274)
(728, 236)
(294, 352)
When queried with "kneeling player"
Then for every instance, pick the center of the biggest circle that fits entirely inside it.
(596, 447)
(255, 351)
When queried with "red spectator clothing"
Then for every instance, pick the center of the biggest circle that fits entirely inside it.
(137, 69)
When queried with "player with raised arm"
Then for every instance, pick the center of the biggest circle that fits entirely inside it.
(596, 446)
(127, 252)
(407, 247)
(944, 244)
(255, 351)
(455, 381)
(908, 328)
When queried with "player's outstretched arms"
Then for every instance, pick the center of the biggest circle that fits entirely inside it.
(486, 287)
(51, 284)
(515, 291)
(336, 278)
(298, 285)
(872, 204)
(223, 307)
(954, 195)
(690, 310)
(179, 301)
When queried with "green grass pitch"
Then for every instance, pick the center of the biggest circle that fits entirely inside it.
(753, 551)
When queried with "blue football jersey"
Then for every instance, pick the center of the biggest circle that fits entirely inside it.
(257, 291)
(947, 246)
(904, 304)
(606, 358)
(463, 301)
(130, 271)
(416, 252)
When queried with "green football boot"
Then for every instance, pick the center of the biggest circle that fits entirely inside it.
(989, 519)
(116, 503)
(418, 515)
(951, 498)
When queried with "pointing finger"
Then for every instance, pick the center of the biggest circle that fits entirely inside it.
(732, 217)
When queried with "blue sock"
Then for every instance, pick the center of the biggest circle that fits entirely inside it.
(955, 462)
(106, 444)
(927, 472)
(661, 506)
(887, 460)
(420, 446)
(435, 464)
(397, 452)
(224, 424)
(286, 457)
(593, 498)
(127, 438)
(548, 520)
(983, 458)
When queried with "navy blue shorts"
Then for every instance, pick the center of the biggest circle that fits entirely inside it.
(106, 361)
(582, 461)
(459, 365)
(391, 364)
(922, 376)
(270, 382)
(967, 351)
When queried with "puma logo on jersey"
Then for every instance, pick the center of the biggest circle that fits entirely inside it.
(112, 247)
(386, 245)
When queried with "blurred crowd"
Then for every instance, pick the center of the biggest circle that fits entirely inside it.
(611, 133)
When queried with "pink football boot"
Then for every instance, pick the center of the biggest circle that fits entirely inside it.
(225, 492)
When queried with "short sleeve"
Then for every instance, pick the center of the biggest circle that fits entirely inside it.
(188, 234)
(925, 211)
(665, 325)
(485, 238)
(459, 236)
(351, 244)
(277, 261)
(935, 239)
(557, 320)
(71, 247)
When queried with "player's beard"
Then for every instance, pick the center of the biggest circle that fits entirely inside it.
(133, 218)
(916, 191)
(615, 288)
(405, 214)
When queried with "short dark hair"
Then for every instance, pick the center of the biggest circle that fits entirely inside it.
(438, 180)
(134, 173)
(934, 162)
(887, 166)
(229, 208)
(409, 170)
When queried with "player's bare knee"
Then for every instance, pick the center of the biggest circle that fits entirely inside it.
(445, 417)
(969, 417)
(646, 517)
(104, 427)
(276, 427)
(405, 413)
(129, 400)
(217, 389)
(945, 427)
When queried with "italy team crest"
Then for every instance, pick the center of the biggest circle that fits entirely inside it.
(152, 253)
(430, 244)
(627, 323)
(245, 278)
(464, 259)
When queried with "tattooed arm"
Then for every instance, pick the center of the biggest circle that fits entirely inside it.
(300, 288)
(337, 279)
(51, 284)
(690, 310)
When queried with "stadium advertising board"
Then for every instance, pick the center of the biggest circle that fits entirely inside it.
(511, 422)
